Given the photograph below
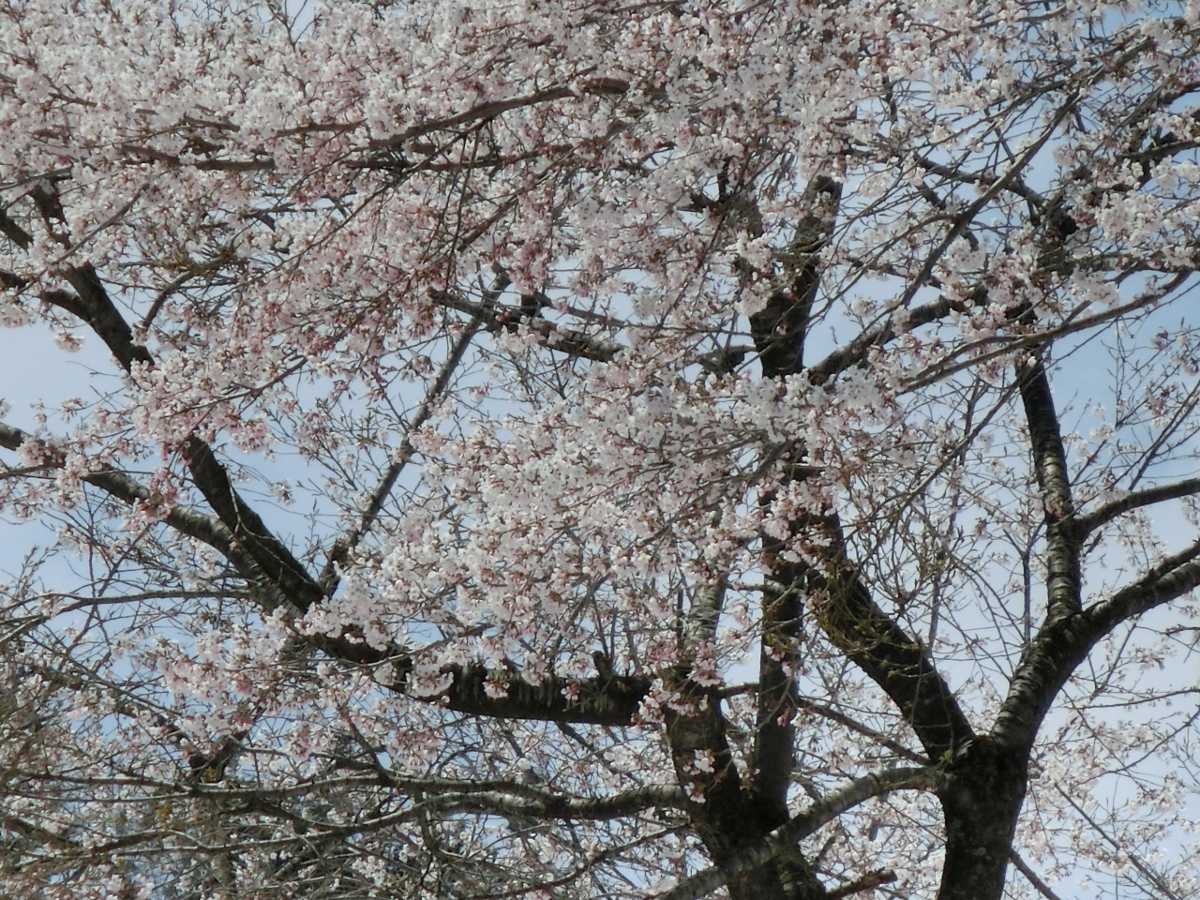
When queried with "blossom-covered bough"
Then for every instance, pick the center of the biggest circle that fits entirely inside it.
(592, 449)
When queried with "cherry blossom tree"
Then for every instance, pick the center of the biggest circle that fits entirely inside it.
(570, 448)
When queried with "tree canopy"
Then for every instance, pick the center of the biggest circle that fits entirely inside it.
(587, 449)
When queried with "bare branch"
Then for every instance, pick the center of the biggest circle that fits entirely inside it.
(345, 545)
(1040, 886)
(1086, 524)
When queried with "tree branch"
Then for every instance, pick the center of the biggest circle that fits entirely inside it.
(726, 817)
(856, 351)
(895, 660)
(281, 577)
(1086, 524)
(184, 519)
(285, 576)
(1061, 645)
(557, 806)
(865, 883)
(613, 700)
(508, 798)
(774, 756)
(845, 721)
(553, 337)
(1031, 876)
(781, 326)
(1160, 883)
(786, 836)
(1172, 578)
(346, 544)
(1064, 579)
(593, 86)
(17, 235)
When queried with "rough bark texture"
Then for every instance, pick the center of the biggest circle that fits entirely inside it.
(981, 796)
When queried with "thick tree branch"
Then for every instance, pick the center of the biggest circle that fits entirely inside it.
(399, 143)
(281, 570)
(450, 796)
(281, 577)
(779, 659)
(786, 836)
(557, 806)
(1064, 579)
(1175, 576)
(1049, 455)
(664, 796)
(775, 735)
(605, 701)
(1086, 524)
(613, 700)
(91, 303)
(895, 660)
(697, 735)
(889, 655)
(780, 327)
(1061, 645)
(18, 236)
(184, 519)
(726, 817)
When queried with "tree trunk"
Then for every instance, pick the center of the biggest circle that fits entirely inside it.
(981, 799)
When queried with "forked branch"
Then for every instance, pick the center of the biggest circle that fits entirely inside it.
(785, 837)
